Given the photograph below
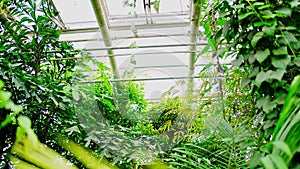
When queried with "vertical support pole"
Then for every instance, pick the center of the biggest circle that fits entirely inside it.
(103, 26)
(195, 17)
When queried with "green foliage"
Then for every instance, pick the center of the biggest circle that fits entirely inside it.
(7, 103)
(115, 122)
(263, 38)
(273, 62)
(286, 139)
(218, 146)
(32, 69)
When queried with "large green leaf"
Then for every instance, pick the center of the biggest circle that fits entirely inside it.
(278, 74)
(261, 76)
(290, 37)
(281, 63)
(280, 51)
(284, 11)
(261, 56)
(266, 104)
(269, 30)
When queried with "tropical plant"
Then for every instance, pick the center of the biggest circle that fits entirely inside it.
(262, 37)
(114, 120)
(32, 67)
(218, 146)
(286, 137)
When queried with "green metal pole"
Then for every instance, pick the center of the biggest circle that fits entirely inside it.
(100, 15)
(195, 17)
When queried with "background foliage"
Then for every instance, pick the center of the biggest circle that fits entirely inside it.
(251, 122)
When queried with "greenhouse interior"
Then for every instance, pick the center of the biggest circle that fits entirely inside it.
(152, 84)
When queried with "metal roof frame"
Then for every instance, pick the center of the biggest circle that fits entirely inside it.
(107, 23)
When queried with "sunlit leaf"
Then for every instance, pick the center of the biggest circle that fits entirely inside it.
(283, 147)
(267, 162)
(262, 55)
(262, 76)
(294, 3)
(284, 11)
(281, 63)
(279, 162)
(212, 44)
(269, 30)
(280, 51)
(278, 74)
(290, 37)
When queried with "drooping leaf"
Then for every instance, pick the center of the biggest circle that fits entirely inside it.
(267, 14)
(239, 6)
(264, 6)
(245, 82)
(258, 4)
(289, 28)
(204, 50)
(238, 61)
(207, 66)
(72, 129)
(290, 37)
(212, 44)
(54, 100)
(75, 93)
(256, 38)
(133, 28)
(244, 15)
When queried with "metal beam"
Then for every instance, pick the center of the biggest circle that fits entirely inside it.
(151, 79)
(123, 54)
(126, 27)
(154, 15)
(151, 46)
(102, 22)
(164, 66)
(127, 37)
(61, 22)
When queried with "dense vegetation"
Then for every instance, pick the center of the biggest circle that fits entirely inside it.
(253, 122)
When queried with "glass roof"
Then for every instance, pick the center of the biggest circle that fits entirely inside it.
(118, 7)
(161, 56)
(73, 11)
